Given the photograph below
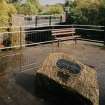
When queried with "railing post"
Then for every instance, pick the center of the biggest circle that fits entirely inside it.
(50, 21)
(9, 44)
(36, 21)
(72, 28)
(61, 19)
(20, 49)
(104, 35)
(20, 37)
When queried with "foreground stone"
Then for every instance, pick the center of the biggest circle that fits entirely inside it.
(62, 70)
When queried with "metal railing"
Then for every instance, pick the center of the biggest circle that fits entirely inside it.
(21, 36)
(43, 20)
(13, 44)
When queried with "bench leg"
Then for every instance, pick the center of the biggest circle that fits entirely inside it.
(75, 41)
(58, 43)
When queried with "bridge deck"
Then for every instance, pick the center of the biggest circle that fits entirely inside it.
(17, 88)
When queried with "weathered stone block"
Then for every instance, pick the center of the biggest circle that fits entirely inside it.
(64, 71)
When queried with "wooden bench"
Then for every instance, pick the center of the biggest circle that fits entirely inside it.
(64, 34)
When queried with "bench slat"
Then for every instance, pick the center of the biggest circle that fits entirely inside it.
(63, 30)
(68, 38)
(63, 33)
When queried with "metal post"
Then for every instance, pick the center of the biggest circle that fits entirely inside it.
(20, 49)
(60, 19)
(104, 35)
(75, 40)
(72, 29)
(36, 21)
(20, 37)
(9, 30)
(50, 21)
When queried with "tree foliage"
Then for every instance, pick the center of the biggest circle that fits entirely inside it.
(87, 12)
(54, 9)
(9, 7)
(6, 10)
(28, 8)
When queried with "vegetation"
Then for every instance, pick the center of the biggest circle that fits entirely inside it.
(87, 12)
(6, 10)
(80, 11)
(9, 7)
(54, 9)
(28, 8)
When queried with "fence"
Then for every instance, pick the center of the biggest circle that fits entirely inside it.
(91, 32)
(30, 35)
(15, 43)
(43, 20)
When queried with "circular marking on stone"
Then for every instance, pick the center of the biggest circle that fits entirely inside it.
(67, 65)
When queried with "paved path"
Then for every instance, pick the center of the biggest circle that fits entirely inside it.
(19, 89)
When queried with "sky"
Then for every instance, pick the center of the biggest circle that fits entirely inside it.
(44, 2)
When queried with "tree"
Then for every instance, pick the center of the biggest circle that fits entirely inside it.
(54, 9)
(5, 11)
(12, 1)
(29, 7)
(87, 12)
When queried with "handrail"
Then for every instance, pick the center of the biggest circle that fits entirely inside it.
(26, 45)
(88, 25)
(33, 26)
(44, 30)
(90, 29)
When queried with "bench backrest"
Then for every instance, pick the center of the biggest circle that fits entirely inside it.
(63, 32)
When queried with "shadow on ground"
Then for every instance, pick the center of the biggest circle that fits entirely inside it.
(50, 95)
